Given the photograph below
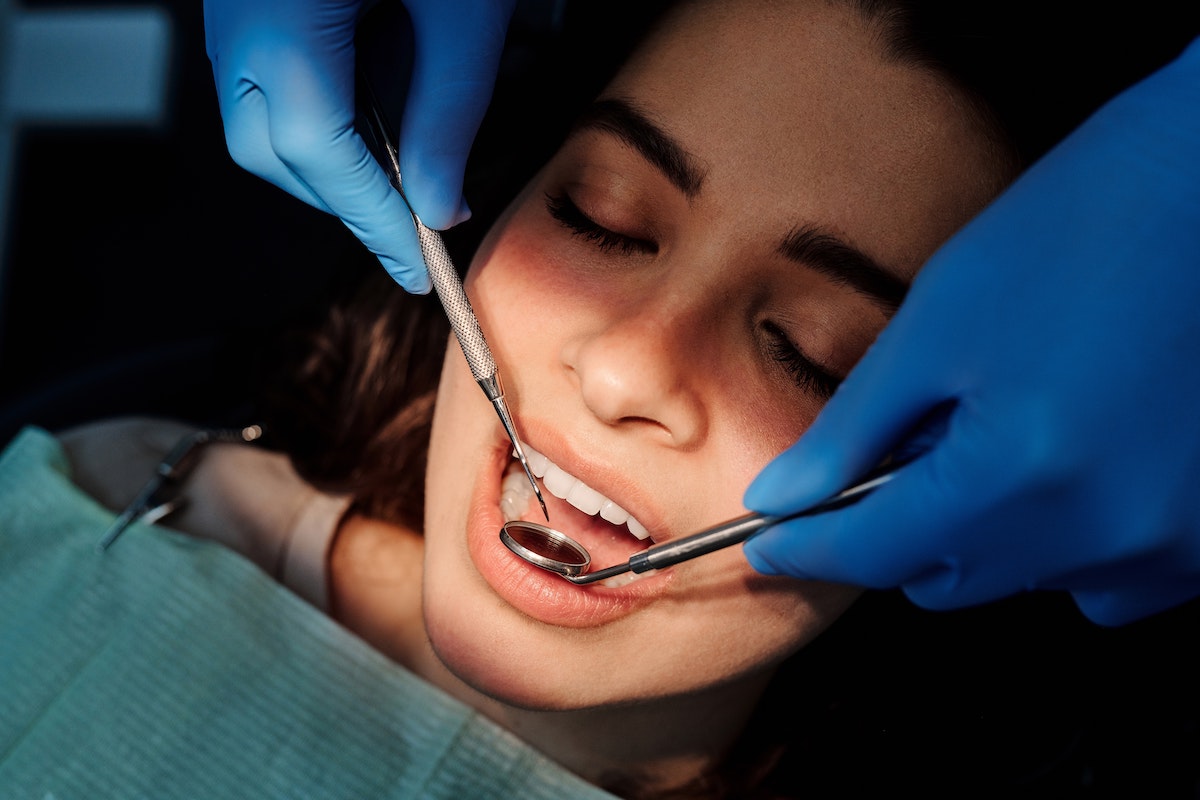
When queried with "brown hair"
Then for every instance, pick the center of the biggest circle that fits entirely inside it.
(351, 402)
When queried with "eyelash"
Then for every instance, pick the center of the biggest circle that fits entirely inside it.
(804, 372)
(563, 209)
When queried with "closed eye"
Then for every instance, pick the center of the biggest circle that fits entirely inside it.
(563, 209)
(806, 373)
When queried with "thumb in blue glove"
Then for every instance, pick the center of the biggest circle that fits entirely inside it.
(285, 76)
(1061, 327)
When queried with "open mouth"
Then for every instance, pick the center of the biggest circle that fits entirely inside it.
(609, 532)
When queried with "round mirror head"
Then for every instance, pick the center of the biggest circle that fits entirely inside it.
(545, 547)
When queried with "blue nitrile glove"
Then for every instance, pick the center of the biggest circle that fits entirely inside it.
(1063, 323)
(285, 72)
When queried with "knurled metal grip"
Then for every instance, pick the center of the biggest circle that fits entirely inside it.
(454, 298)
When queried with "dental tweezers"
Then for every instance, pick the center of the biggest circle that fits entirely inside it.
(449, 288)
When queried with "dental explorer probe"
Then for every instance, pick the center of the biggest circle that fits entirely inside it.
(451, 293)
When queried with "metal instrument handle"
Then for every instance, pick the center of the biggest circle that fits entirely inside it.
(454, 299)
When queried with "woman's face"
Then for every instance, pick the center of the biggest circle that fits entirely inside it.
(670, 302)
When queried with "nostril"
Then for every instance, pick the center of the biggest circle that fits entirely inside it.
(654, 426)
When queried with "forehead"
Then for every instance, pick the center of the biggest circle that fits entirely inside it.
(794, 109)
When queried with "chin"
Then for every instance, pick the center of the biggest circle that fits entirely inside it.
(498, 671)
(485, 642)
(502, 653)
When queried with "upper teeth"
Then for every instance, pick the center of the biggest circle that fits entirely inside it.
(517, 494)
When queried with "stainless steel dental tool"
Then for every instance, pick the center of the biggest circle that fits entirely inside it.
(558, 553)
(448, 286)
(160, 495)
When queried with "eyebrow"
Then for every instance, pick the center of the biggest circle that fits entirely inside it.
(622, 119)
(845, 264)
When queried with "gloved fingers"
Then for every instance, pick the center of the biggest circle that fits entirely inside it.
(882, 541)
(1029, 488)
(1114, 607)
(886, 400)
(299, 137)
(247, 137)
(951, 582)
(455, 63)
(312, 133)
(932, 530)
(357, 191)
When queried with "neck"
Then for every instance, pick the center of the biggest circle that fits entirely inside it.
(659, 744)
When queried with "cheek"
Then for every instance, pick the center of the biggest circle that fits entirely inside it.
(512, 283)
(754, 420)
(452, 413)
(501, 286)
(527, 292)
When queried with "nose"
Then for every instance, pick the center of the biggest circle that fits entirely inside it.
(636, 371)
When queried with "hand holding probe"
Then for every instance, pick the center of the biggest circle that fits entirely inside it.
(449, 288)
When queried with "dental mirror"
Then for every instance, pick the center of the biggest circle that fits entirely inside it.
(556, 552)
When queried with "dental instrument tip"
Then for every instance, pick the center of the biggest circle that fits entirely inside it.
(495, 392)
(538, 492)
(519, 452)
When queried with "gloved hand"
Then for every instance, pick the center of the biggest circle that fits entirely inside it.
(1063, 327)
(285, 72)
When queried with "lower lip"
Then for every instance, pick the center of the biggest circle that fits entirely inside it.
(533, 591)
